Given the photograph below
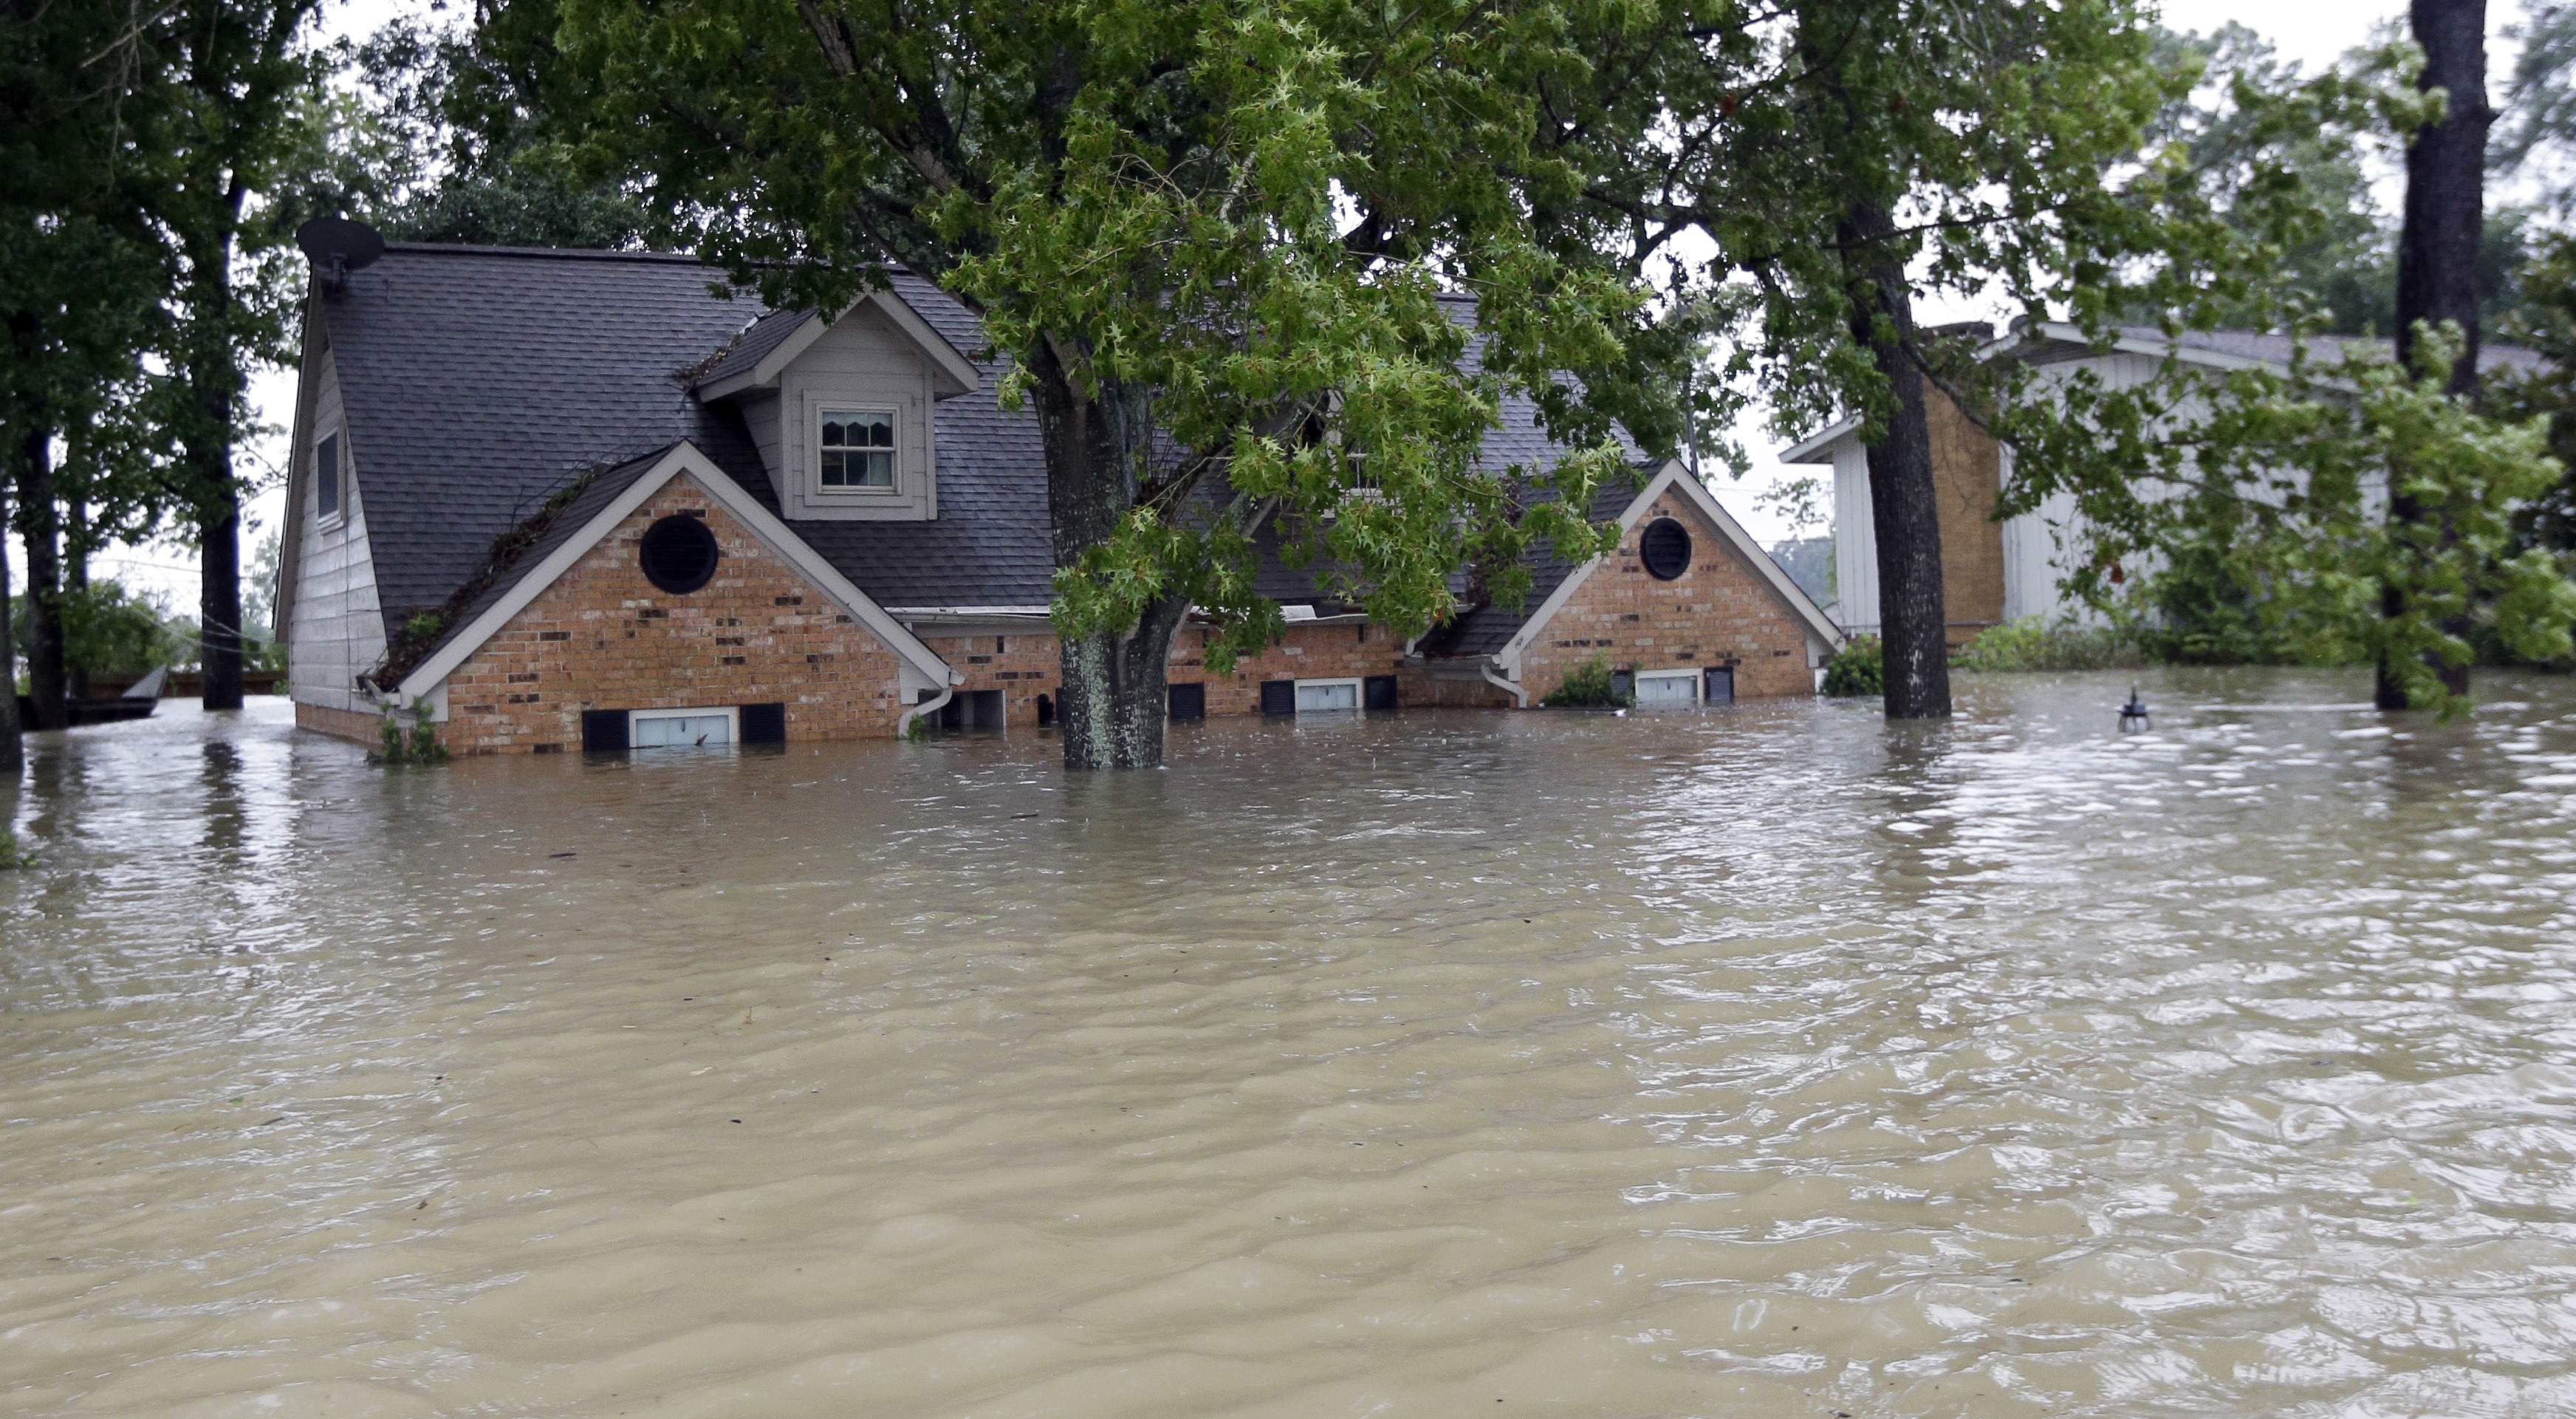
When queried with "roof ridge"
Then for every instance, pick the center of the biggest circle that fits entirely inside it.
(567, 253)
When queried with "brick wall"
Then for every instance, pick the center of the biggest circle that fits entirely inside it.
(1305, 653)
(1022, 667)
(1967, 473)
(1721, 611)
(359, 725)
(603, 637)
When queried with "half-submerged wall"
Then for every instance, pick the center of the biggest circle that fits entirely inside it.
(603, 637)
(1720, 612)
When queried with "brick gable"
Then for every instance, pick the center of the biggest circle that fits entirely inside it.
(1721, 611)
(603, 637)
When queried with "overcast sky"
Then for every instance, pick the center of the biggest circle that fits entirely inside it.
(2313, 32)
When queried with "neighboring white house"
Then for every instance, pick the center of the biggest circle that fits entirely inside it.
(2016, 569)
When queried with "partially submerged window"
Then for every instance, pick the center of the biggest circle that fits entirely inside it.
(1667, 689)
(682, 728)
(857, 450)
(1327, 696)
(326, 476)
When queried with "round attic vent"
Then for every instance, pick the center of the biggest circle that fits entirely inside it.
(679, 554)
(1665, 548)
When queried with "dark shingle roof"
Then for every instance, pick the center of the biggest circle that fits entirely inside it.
(507, 558)
(740, 354)
(478, 381)
(1483, 630)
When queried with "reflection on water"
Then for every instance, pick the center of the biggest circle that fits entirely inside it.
(1767, 1061)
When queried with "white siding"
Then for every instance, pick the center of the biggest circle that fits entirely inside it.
(2039, 546)
(760, 414)
(863, 361)
(337, 628)
(1855, 541)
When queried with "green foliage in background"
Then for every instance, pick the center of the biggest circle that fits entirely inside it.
(12, 857)
(1859, 668)
(2031, 644)
(2284, 532)
(2546, 323)
(1589, 686)
(110, 630)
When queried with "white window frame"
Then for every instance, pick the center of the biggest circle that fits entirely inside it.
(1359, 694)
(339, 440)
(823, 408)
(1691, 675)
(732, 718)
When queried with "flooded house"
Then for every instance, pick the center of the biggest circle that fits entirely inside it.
(579, 500)
(2015, 568)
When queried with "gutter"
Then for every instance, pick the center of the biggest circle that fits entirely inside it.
(1493, 677)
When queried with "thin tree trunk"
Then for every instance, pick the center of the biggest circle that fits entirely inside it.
(1113, 700)
(219, 599)
(2437, 248)
(38, 529)
(1905, 510)
(215, 385)
(13, 753)
(75, 582)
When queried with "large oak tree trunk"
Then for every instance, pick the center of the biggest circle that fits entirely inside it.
(39, 529)
(2437, 249)
(1905, 511)
(1112, 701)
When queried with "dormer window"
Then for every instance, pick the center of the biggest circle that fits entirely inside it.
(857, 448)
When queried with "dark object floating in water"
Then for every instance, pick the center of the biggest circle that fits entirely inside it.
(80, 712)
(2133, 715)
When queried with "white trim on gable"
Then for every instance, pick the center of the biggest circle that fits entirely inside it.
(683, 457)
(1674, 476)
(954, 373)
(1819, 448)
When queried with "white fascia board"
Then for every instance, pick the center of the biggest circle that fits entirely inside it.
(684, 457)
(976, 611)
(1818, 447)
(952, 372)
(314, 339)
(1675, 475)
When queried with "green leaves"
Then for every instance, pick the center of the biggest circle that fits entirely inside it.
(2257, 502)
(1237, 234)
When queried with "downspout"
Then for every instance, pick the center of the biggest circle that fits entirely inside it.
(903, 721)
(1493, 677)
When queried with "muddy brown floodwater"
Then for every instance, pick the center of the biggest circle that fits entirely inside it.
(1760, 1062)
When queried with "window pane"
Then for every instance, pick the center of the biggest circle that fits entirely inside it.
(875, 433)
(876, 470)
(681, 731)
(836, 469)
(326, 475)
(1327, 697)
(1667, 689)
